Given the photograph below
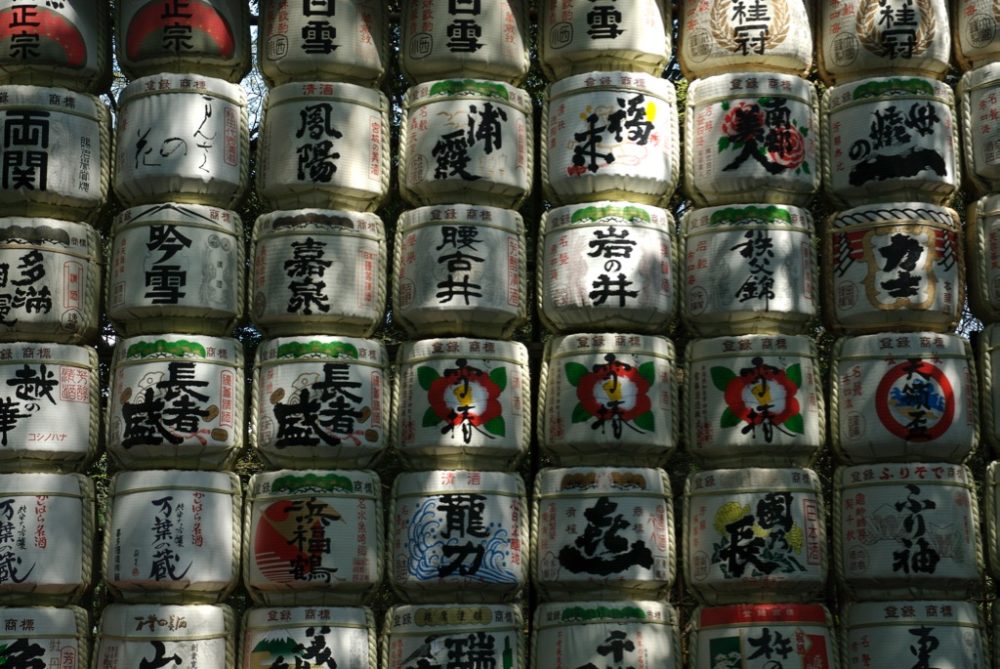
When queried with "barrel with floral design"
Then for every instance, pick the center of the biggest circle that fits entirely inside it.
(343, 635)
(56, 637)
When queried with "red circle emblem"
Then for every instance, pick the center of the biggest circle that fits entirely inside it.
(915, 401)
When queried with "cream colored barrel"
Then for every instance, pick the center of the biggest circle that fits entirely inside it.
(343, 635)
(176, 401)
(458, 536)
(191, 635)
(898, 397)
(907, 531)
(893, 266)
(610, 135)
(974, 33)
(176, 267)
(935, 632)
(65, 43)
(609, 399)
(51, 290)
(578, 36)
(466, 140)
(988, 350)
(770, 36)
(320, 401)
(460, 269)
(208, 37)
(748, 269)
(173, 536)
(491, 635)
(569, 635)
(462, 403)
(56, 637)
(313, 536)
(982, 252)
(755, 535)
(57, 153)
(891, 138)
(182, 138)
(753, 400)
(323, 144)
(602, 532)
(750, 137)
(763, 636)
(863, 38)
(46, 538)
(978, 113)
(608, 262)
(51, 406)
(346, 41)
(465, 38)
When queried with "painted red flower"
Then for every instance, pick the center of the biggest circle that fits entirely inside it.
(614, 393)
(761, 396)
(465, 397)
(744, 122)
(785, 146)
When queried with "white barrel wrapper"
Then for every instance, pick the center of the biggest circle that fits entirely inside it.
(974, 32)
(57, 637)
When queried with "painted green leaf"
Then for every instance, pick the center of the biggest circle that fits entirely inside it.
(804, 131)
(646, 421)
(426, 376)
(499, 377)
(580, 415)
(723, 143)
(574, 372)
(794, 374)
(497, 426)
(725, 105)
(430, 418)
(729, 419)
(795, 424)
(647, 370)
(805, 167)
(721, 376)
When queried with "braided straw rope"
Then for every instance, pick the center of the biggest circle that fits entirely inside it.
(259, 182)
(834, 419)
(81, 621)
(989, 390)
(543, 149)
(673, 128)
(839, 563)
(826, 148)
(540, 275)
(985, 301)
(237, 196)
(88, 529)
(992, 521)
(968, 136)
(385, 166)
(229, 625)
(977, 523)
(542, 413)
(256, 595)
(974, 405)
(90, 313)
(690, 183)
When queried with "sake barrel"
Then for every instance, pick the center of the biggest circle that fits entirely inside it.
(982, 252)
(907, 531)
(887, 139)
(933, 632)
(468, 140)
(754, 535)
(320, 401)
(209, 37)
(988, 350)
(57, 153)
(465, 38)
(176, 401)
(751, 137)
(974, 33)
(611, 263)
(323, 144)
(164, 635)
(313, 536)
(34, 510)
(897, 397)
(65, 43)
(488, 635)
(721, 36)
(460, 269)
(893, 266)
(317, 270)
(861, 38)
(609, 398)
(763, 636)
(176, 268)
(979, 112)
(462, 403)
(173, 536)
(182, 138)
(610, 135)
(568, 635)
(346, 41)
(602, 532)
(748, 269)
(578, 36)
(344, 636)
(458, 536)
(52, 280)
(55, 637)
(49, 406)
(753, 400)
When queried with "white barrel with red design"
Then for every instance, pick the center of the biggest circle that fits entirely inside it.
(56, 637)
(609, 398)
(176, 401)
(173, 536)
(46, 539)
(320, 401)
(979, 114)
(610, 135)
(344, 635)
(751, 137)
(465, 38)
(323, 144)
(458, 536)
(578, 36)
(974, 32)
(211, 37)
(890, 138)
(63, 43)
(313, 536)
(329, 40)
(864, 38)
(176, 267)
